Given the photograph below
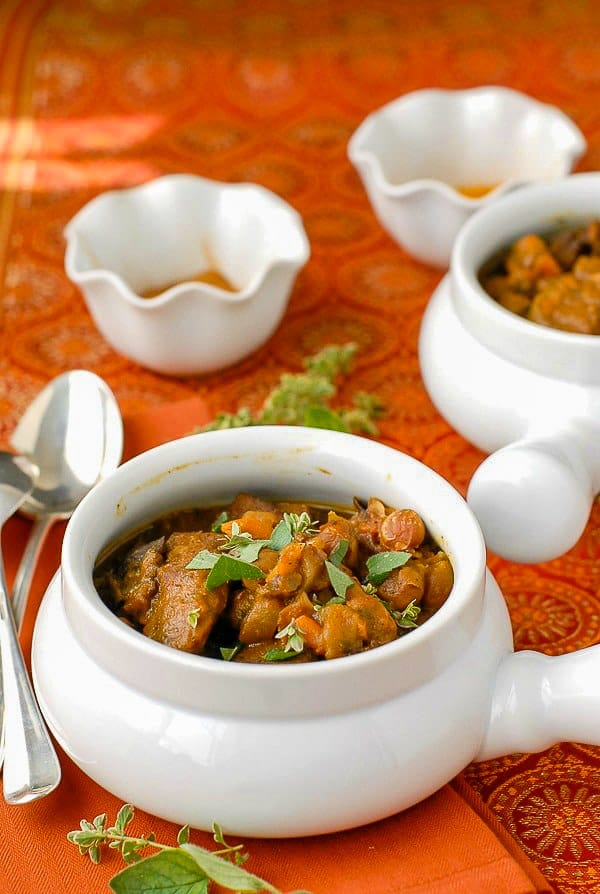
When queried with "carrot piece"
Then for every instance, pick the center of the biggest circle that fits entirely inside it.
(259, 524)
(311, 631)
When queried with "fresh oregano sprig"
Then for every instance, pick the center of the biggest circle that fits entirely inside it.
(185, 868)
(304, 398)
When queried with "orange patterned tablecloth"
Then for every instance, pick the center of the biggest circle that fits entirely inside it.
(107, 93)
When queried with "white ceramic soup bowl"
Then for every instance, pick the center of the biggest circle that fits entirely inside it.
(292, 750)
(415, 152)
(161, 235)
(528, 392)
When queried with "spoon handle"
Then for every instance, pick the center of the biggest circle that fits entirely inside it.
(31, 767)
(24, 575)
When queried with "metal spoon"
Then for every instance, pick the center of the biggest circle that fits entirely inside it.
(73, 432)
(31, 768)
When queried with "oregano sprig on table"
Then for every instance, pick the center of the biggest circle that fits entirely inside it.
(304, 398)
(183, 869)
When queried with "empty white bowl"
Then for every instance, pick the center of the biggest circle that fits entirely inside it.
(415, 153)
(126, 243)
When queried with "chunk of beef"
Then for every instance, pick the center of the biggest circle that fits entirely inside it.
(404, 585)
(568, 303)
(439, 580)
(331, 534)
(529, 260)
(297, 607)
(379, 625)
(134, 590)
(344, 631)
(300, 566)
(260, 623)
(183, 610)
(574, 242)
(366, 524)
(243, 502)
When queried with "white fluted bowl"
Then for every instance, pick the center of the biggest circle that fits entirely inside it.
(126, 242)
(413, 152)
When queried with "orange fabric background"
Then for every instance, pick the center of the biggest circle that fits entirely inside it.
(97, 94)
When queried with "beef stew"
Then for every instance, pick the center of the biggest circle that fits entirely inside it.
(266, 582)
(552, 280)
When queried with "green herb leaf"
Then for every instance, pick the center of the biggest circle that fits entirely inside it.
(381, 565)
(171, 871)
(322, 417)
(303, 398)
(228, 653)
(235, 539)
(295, 641)
(227, 568)
(83, 839)
(408, 617)
(335, 600)
(279, 655)
(299, 524)
(225, 873)
(219, 520)
(202, 560)
(183, 836)
(340, 581)
(192, 618)
(281, 536)
(130, 850)
(249, 551)
(99, 822)
(124, 817)
(339, 553)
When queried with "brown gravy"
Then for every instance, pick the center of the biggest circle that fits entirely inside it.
(210, 277)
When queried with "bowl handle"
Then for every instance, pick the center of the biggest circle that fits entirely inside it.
(533, 498)
(541, 700)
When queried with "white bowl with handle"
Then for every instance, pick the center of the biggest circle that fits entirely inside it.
(415, 153)
(526, 393)
(160, 236)
(196, 740)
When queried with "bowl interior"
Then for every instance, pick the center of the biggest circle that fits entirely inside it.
(537, 208)
(174, 228)
(476, 137)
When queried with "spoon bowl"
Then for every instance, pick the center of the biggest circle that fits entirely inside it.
(73, 432)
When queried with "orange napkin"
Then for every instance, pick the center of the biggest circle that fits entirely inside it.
(448, 844)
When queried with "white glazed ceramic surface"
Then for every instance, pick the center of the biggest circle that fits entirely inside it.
(195, 740)
(166, 231)
(412, 152)
(504, 382)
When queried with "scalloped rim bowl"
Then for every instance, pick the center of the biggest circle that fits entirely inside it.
(413, 151)
(125, 242)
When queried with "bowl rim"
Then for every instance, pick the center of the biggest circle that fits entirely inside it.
(294, 260)
(358, 154)
(313, 687)
(565, 355)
